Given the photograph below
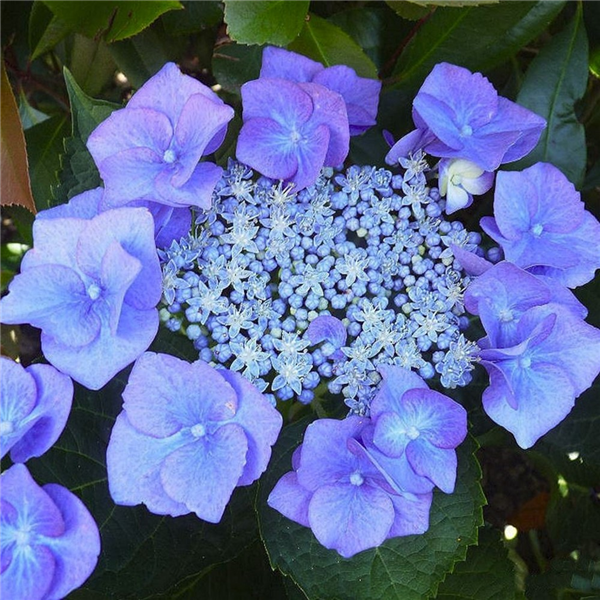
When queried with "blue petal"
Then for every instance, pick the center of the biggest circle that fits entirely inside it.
(396, 381)
(83, 206)
(326, 328)
(291, 499)
(284, 64)
(349, 518)
(261, 422)
(133, 462)
(203, 474)
(411, 514)
(76, 550)
(437, 464)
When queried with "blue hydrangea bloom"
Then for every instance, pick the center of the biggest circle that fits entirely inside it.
(419, 429)
(169, 223)
(542, 225)
(539, 352)
(337, 491)
(459, 114)
(91, 286)
(150, 149)
(187, 436)
(291, 130)
(34, 407)
(360, 94)
(49, 542)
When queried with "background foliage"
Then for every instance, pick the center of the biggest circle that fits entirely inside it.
(67, 65)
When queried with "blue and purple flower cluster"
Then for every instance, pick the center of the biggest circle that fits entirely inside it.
(294, 277)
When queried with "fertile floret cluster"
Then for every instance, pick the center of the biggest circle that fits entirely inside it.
(325, 285)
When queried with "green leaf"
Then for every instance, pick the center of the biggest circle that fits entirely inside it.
(45, 29)
(110, 20)
(29, 116)
(91, 64)
(476, 37)
(567, 579)
(408, 10)
(404, 568)
(328, 44)
(78, 171)
(486, 574)
(555, 81)
(453, 3)
(195, 16)
(143, 554)
(275, 22)
(377, 30)
(234, 64)
(44, 147)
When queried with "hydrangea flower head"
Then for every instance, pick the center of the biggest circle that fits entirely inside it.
(459, 114)
(360, 94)
(34, 407)
(542, 225)
(187, 436)
(91, 286)
(420, 428)
(49, 544)
(337, 491)
(291, 130)
(539, 352)
(150, 149)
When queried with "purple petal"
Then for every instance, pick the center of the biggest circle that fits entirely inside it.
(283, 101)
(18, 394)
(133, 229)
(326, 328)
(83, 206)
(130, 128)
(437, 464)
(261, 422)
(330, 110)
(168, 91)
(325, 456)
(203, 474)
(133, 462)
(529, 124)
(196, 191)
(439, 419)
(55, 243)
(469, 261)
(411, 514)
(544, 395)
(291, 499)
(76, 551)
(284, 64)
(34, 507)
(53, 298)
(391, 434)
(55, 396)
(396, 381)
(410, 143)
(165, 394)
(350, 518)
(129, 175)
(169, 223)
(29, 574)
(361, 95)
(190, 139)
(98, 362)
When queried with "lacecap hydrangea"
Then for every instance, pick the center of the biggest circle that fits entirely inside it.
(298, 278)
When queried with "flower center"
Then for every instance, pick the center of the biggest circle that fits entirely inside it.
(524, 362)
(23, 537)
(295, 136)
(198, 430)
(506, 315)
(93, 291)
(537, 229)
(169, 156)
(413, 433)
(356, 478)
(6, 427)
(466, 130)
